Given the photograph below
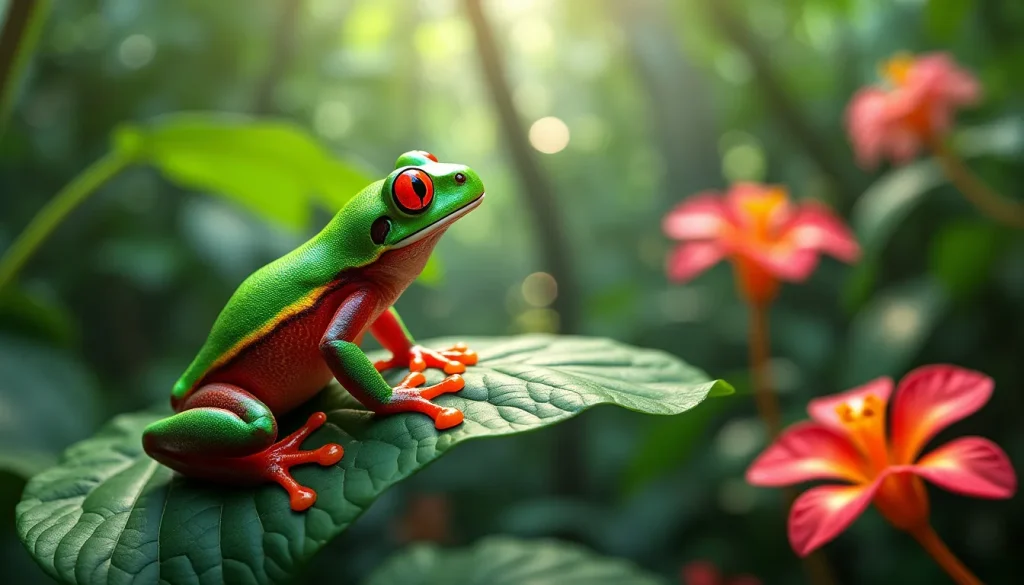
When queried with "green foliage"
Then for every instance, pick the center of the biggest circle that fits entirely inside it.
(963, 253)
(889, 331)
(108, 510)
(274, 169)
(47, 401)
(885, 205)
(508, 561)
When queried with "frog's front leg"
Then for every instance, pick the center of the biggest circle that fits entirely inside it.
(355, 372)
(223, 433)
(389, 330)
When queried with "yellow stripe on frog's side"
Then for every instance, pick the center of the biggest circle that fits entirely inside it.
(304, 304)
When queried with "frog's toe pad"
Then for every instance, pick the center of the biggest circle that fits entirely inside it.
(407, 397)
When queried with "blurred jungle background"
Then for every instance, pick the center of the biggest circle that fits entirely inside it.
(587, 120)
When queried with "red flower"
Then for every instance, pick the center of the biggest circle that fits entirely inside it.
(766, 237)
(705, 573)
(847, 441)
(915, 108)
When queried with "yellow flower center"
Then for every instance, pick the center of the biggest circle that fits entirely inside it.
(864, 420)
(897, 69)
(760, 209)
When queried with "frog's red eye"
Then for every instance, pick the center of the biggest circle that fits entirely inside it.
(413, 191)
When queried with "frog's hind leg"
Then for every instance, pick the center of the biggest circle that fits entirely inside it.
(223, 433)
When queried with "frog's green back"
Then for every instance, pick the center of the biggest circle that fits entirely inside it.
(287, 286)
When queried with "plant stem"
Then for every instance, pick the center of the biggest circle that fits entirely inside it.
(23, 24)
(760, 353)
(931, 542)
(58, 208)
(816, 565)
(987, 201)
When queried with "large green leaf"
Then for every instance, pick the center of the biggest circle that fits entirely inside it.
(508, 561)
(109, 514)
(273, 168)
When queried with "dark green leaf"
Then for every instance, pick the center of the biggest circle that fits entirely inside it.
(508, 561)
(963, 253)
(886, 335)
(273, 168)
(108, 513)
(34, 316)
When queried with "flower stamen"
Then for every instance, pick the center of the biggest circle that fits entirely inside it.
(864, 420)
(897, 69)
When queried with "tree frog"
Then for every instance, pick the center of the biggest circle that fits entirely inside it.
(298, 322)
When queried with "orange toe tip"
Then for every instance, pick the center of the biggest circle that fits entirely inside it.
(448, 418)
(455, 381)
(330, 454)
(316, 419)
(460, 346)
(454, 368)
(302, 499)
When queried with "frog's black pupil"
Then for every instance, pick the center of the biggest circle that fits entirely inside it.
(419, 187)
(460, 178)
(380, 229)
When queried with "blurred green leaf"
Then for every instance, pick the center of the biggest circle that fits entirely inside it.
(963, 253)
(273, 168)
(944, 19)
(886, 203)
(33, 316)
(502, 560)
(887, 334)
(47, 401)
(669, 443)
(433, 273)
(73, 516)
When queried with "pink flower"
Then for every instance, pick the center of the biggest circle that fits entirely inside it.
(846, 441)
(766, 237)
(705, 573)
(915, 108)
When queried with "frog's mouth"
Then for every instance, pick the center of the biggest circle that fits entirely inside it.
(439, 225)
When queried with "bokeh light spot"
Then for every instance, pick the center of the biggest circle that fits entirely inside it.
(539, 289)
(549, 135)
(332, 119)
(136, 51)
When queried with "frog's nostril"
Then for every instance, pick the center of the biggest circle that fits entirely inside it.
(460, 178)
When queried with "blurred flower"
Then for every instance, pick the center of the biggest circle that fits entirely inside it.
(706, 573)
(847, 441)
(427, 519)
(767, 237)
(915, 108)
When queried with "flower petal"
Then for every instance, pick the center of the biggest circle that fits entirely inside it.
(972, 466)
(930, 399)
(783, 261)
(701, 573)
(689, 260)
(824, 411)
(807, 451)
(700, 217)
(867, 117)
(816, 227)
(820, 514)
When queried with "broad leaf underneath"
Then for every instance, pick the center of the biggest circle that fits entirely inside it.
(110, 514)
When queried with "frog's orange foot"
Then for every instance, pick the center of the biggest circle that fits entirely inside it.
(408, 396)
(452, 360)
(278, 459)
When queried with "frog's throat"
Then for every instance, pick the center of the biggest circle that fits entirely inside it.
(443, 224)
